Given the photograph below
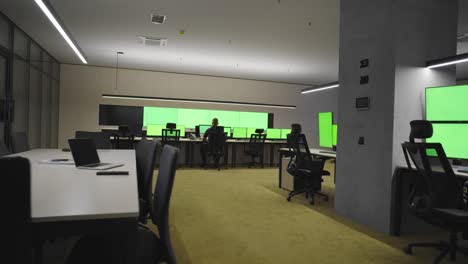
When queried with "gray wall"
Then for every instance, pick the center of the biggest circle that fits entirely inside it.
(398, 37)
(82, 87)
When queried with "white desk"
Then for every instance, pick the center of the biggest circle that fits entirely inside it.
(63, 192)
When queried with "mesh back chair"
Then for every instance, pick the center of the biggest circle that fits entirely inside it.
(145, 151)
(149, 247)
(437, 195)
(16, 228)
(3, 149)
(101, 139)
(217, 145)
(256, 148)
(305, 168)
(171, 136)
(19, 142)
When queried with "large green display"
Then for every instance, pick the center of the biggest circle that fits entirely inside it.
(453, 138)
(325, 120)
(274, 133)
(285, 132)
(447, 103)
(335, 134)
(193, 117)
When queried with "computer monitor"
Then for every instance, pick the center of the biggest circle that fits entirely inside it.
(182, 130)
(228, 131)
(203, 128)
(239, 132)
(154, 130)
(335, 134)
(250, 131)
(285, 132)
(273, 133)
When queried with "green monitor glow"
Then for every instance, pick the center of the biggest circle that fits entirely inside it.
(453, 138)
(154, 130)
(239, 132)
(273, 133)
(228, 131)
(325, 129)
(203, 128)
(182, 130)
(285, 132)
(447, 103)
(250, 131)
(335, 134)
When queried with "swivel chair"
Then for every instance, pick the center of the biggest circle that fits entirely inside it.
(256, 148)
(437, 194)
(217, 145)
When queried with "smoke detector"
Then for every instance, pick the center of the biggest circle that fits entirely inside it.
(157, 19)
(153, 41)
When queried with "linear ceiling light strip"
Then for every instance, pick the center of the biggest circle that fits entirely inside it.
(129, 97)
(320, 88)
(460, 58)
(49, 12)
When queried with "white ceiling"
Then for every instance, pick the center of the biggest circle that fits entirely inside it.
(253, 39)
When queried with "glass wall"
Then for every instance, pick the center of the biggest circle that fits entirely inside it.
(30, 87)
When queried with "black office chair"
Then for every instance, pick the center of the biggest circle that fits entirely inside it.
(305, 168)
(15, 198)
(149, 247)
(3, 150)
(217, 145)
(19, 142)
(256, 148)
(437, 196)
(101, 139)
(171, 135)
(145, 152)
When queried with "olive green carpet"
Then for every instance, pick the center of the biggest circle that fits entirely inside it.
(241, 216)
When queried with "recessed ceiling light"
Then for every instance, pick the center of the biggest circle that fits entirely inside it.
(157, 19)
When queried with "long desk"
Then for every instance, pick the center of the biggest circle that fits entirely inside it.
(402, 221)
(67, 201)
(321, 153)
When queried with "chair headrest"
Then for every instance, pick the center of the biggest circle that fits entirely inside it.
(296, 129)
(420, 129)
(171, 125)
(259, 130)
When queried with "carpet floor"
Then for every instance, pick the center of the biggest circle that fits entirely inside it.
(241, 216)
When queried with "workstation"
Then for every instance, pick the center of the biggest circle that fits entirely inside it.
(181, 132)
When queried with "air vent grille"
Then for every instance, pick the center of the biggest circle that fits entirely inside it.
(153, 41)
(157, 19)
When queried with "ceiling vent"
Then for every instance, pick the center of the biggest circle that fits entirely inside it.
(153, 41)
(157, 19)
(463, 38)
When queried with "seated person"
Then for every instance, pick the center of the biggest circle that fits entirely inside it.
(204, 147)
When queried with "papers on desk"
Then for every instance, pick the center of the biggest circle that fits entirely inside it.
(57, 161)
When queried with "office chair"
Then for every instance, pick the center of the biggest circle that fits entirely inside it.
(16, 200)
(19, 142)
(145, 152)
(217, 145)
(149, 247)
(305, 168)
(101, 139)
(436, 196)
(256, 148)
(3, 150)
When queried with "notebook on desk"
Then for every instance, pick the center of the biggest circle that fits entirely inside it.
(86, 157)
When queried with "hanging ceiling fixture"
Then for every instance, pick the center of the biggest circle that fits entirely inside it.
(117, 69)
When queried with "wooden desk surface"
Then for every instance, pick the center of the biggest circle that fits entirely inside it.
(63, 192)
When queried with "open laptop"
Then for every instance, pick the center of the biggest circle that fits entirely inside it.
(85, 155)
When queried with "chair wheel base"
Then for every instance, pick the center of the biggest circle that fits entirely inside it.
(288, 199)
(408, 250)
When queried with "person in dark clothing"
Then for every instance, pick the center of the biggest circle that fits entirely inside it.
(205, 147)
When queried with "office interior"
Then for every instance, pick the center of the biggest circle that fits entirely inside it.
(352, 73)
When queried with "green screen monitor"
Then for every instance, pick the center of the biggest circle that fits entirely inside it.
(154, 130)
(285, 132)
(203, 128)
(325, 129)
(182, 130)
(447, 103)
(250, 131)
(273, 133)
(335, 134)
(453, 138)
(239, 132)
(228, 131)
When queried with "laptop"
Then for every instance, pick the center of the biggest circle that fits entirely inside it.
(85, 155)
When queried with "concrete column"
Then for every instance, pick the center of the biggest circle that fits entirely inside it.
(398, 37)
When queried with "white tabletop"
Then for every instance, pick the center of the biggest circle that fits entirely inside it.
(63, 192)
(318, 152)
